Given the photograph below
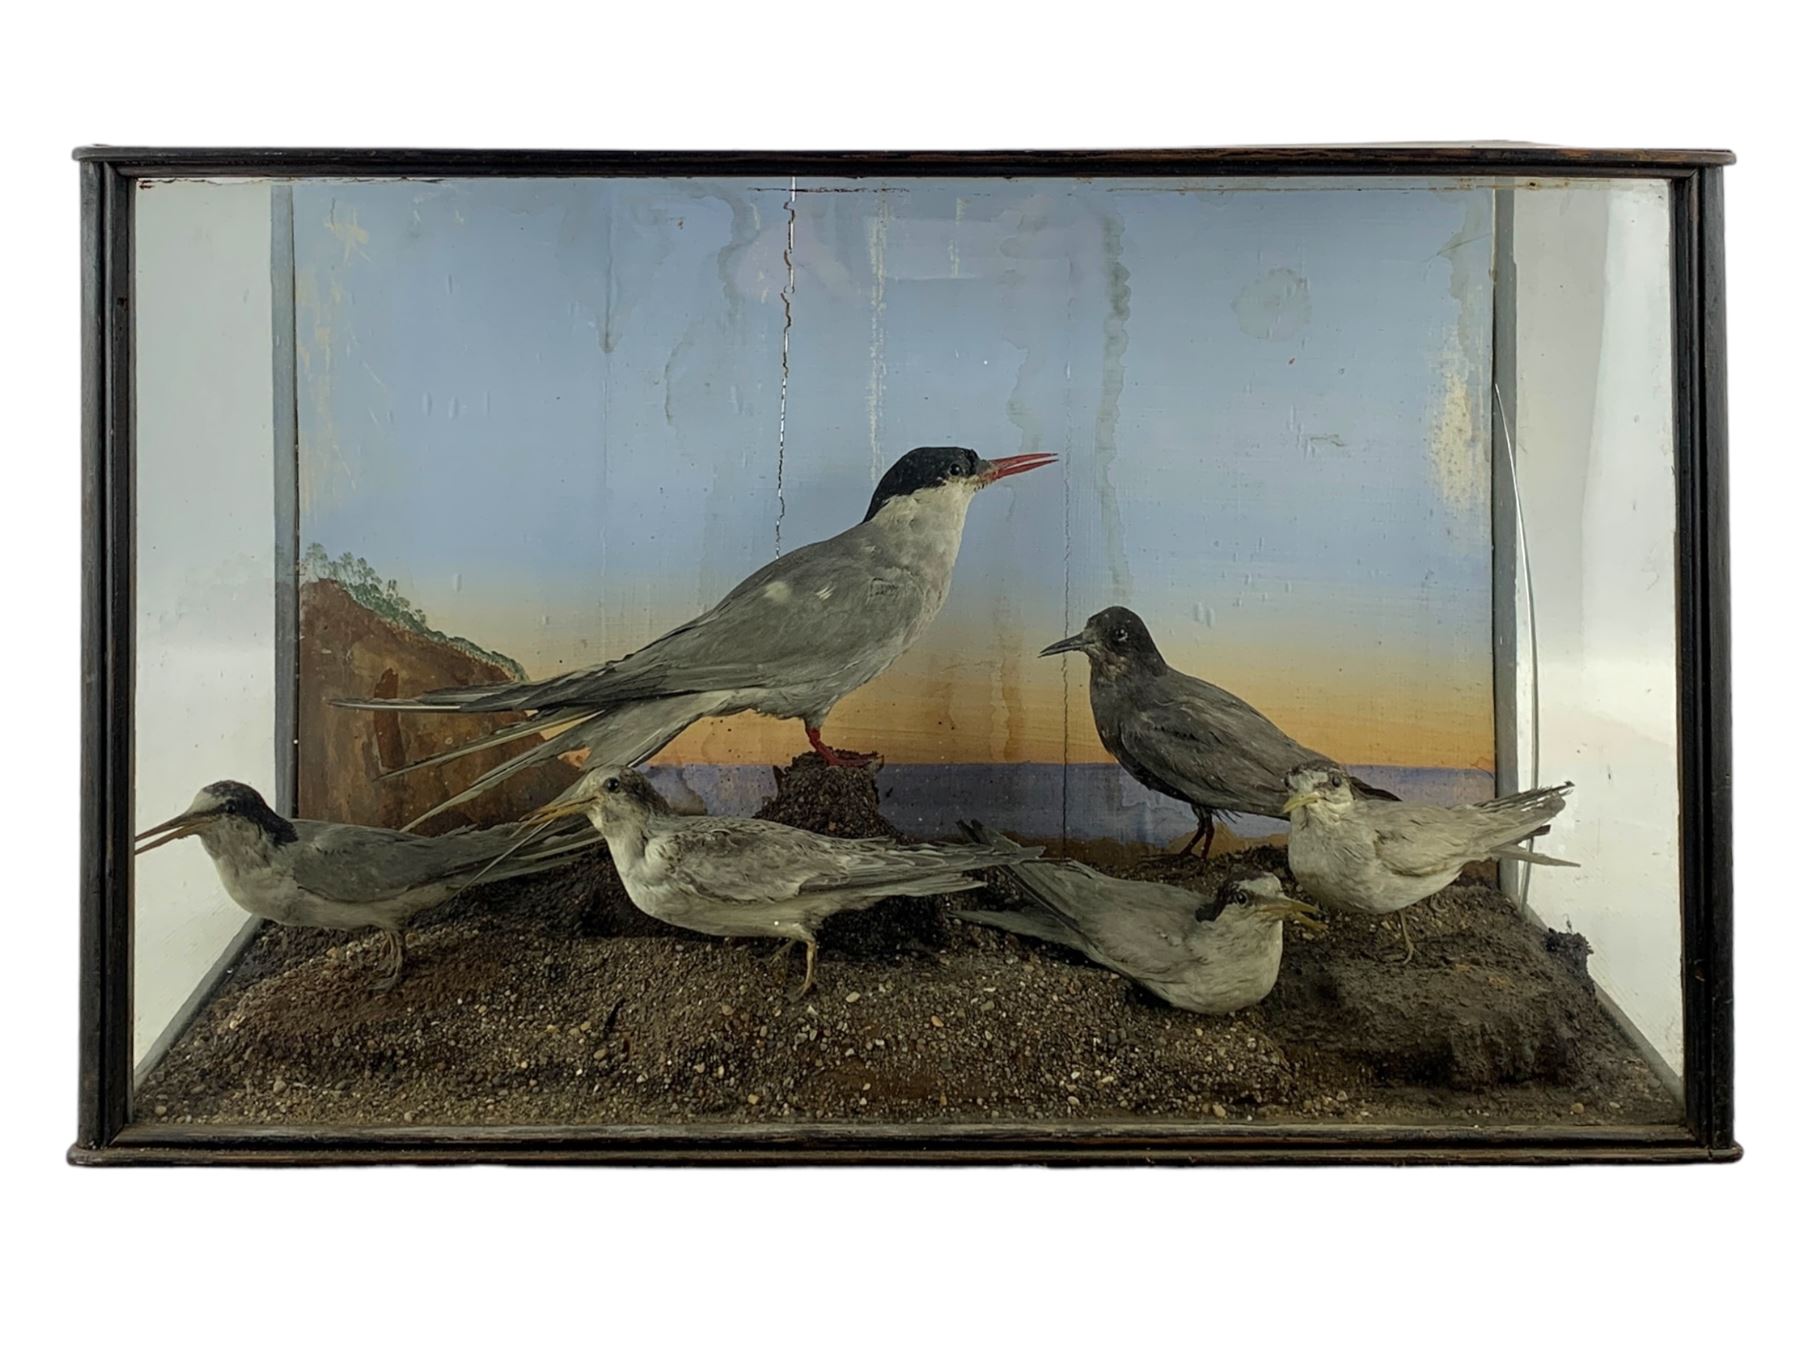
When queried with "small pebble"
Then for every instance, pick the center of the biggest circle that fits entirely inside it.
(851, 998)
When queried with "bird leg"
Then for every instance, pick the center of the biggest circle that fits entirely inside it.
(1407, 938)
(812, 952)
(781, 952)
(838, 759)
(1203, 830)
(393, 960)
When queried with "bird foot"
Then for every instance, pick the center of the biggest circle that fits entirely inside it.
(393, 963)
(839, 759)
(806, 985)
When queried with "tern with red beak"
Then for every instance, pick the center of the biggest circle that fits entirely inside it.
(790, 641)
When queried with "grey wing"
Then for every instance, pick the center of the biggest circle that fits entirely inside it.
(359, 864)
(743, 861)
(747, 861)
(1134, 927)
(1419, 839)
(821, 613)
(879, 866)
(1212, 747)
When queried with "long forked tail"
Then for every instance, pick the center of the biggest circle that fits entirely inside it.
(469, 698)
(1037, 880)
(628, 733)
(1523, 815)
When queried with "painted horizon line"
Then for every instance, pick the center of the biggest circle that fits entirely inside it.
(1037, 801)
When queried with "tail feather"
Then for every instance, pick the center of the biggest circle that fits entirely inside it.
(460, 698)
(1525, 855)
(1038, 880)
(561, 744)
(628, 733)
(582, 690)
(532, 852)
(1524, 814)
(1029, 923)
(517, 731)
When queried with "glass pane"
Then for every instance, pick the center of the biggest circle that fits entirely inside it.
(1385, 463)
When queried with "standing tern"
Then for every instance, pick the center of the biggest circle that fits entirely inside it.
(789, 641)
(309, 874)
(1152, 933)
(1181, 736)
(734, 877)
(1378, 857)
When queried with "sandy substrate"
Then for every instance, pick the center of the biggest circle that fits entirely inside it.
(554, 1002)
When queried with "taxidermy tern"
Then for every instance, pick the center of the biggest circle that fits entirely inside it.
(1377, 857)
(790, 641)
(1152, 933)
(734, 877)
(1181, 736)
(309, 874)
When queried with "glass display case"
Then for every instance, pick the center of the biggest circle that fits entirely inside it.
(1276, 598)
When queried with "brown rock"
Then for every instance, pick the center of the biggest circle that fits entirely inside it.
(348, 651)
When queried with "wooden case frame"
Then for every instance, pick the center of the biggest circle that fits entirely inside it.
(106, 1133)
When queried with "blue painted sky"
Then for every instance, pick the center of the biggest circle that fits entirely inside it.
(550, 409)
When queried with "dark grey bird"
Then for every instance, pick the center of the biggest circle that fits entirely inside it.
(734, 877)
(310, 874)
(1154, 934)
(1376, 857)
(1181, 736)
(790, 640)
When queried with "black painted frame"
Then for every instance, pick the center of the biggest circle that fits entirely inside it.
(107, 1135)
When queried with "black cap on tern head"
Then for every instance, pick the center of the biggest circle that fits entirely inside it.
(215, 803)
(927, 467)
(228, 797)
(932, 466)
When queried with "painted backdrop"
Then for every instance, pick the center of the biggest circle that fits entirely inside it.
(563, 416)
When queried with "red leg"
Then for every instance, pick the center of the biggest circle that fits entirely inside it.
(838, 759)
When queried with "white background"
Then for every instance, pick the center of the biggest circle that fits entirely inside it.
(1644, 1256)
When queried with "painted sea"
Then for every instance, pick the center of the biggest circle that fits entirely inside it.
(1036, 801)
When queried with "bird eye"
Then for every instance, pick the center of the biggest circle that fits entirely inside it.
(956, 470)
(612, 785)
(1336, 780)
(1121, 636)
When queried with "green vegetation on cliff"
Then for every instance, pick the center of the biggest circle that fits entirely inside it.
(382, 596)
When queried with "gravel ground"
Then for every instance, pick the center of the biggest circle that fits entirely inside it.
(553, 1001)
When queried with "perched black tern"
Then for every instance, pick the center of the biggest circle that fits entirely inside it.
(1377, 857)
(790, 641)
(1181, 736)
(1152, 933)
(734, 877)
(310, 874)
